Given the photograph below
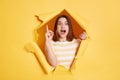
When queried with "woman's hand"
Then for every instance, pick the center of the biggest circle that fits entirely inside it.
(50, 56)
(83, 36)
(49, 34)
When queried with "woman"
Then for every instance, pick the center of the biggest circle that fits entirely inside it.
(61, 45)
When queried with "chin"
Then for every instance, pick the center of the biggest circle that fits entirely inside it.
(63, 36)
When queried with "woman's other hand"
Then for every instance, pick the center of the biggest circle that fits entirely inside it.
(83, 36)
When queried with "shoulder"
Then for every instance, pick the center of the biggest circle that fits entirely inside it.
(76, 40)
(52, 42)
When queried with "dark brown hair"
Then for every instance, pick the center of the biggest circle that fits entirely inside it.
(70, 35)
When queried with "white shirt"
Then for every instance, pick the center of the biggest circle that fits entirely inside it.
(65, 51)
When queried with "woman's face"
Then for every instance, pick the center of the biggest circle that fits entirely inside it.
(62, 27)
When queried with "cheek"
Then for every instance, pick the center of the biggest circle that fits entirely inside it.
(67, 28)
(58, 27)
(58, 30)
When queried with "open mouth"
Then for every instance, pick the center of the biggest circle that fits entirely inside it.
(63, 31)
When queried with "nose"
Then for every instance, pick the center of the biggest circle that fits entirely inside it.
(62, 26)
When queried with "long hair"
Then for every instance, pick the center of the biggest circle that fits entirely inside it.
(70, 35)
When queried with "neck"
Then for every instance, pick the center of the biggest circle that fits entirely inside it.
(62, 39)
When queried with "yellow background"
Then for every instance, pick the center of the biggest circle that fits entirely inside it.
(101, 60)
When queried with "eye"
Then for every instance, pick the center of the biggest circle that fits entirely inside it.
(66, 23)
(59, 23)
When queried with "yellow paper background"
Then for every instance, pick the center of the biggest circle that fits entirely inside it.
(101, 60)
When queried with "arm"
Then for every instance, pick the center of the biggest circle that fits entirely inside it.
(48, 48)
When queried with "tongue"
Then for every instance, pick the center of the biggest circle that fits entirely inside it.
(63, 31)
